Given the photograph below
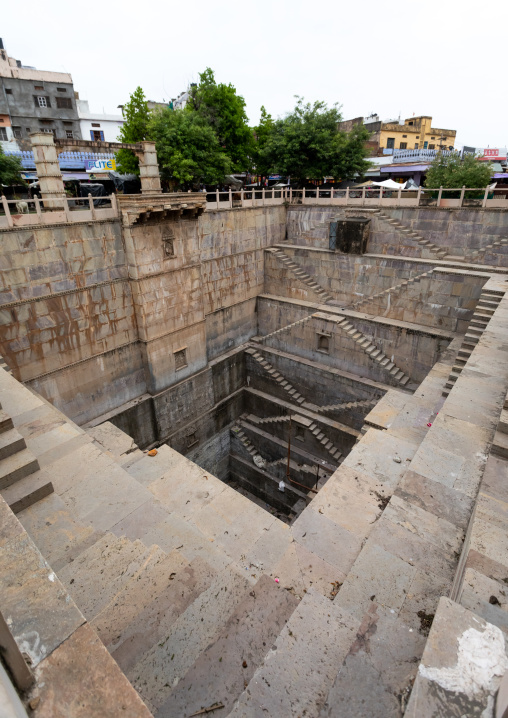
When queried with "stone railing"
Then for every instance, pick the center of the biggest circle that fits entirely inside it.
(29, 212)
(375, 196)
(422, 155)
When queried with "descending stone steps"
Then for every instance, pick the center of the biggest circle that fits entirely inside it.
(277, 376)
(374, 353)
(475, 254)
(412, 234)
(285, 328)
(301, 274)
(367, 403)
(391, 290)
(485, 308)
(224, 668)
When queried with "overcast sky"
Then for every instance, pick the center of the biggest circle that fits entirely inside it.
(442, 59)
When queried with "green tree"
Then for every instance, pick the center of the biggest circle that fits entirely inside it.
(261, 136)
(134, 129)
(224, 111)
(10, 170)
(454, 171)
(188, 150)
(307, 144)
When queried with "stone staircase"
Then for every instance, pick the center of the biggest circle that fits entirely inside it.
(17, 464)
(367, 403)
(485, 308)
(312, 427)
(284, 329)
(412, 234)
(300, 274)
(295, 395)
(477, 253)
(391, 290)
(374, 353)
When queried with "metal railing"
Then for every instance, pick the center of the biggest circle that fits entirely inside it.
(59, 210)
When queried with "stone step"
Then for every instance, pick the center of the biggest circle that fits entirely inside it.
(223, 669)
(5, 422)
(500, 444)
(154, 577)
(15, 467)
(11, 442)
(184, 625)
(101, 571)
(300, 667)
(26, 492)
(503, 422)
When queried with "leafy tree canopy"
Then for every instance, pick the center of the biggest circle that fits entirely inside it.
(261, 135)
(10, 169)
(188, 150)
(224, 111)
(134, 129)
(307, 144)
(452, 171)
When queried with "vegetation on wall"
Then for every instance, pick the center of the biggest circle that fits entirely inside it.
(454, 171)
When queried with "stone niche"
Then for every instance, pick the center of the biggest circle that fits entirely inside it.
(350, 236)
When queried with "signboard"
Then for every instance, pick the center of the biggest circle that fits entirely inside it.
(106, 165)
(493, 153)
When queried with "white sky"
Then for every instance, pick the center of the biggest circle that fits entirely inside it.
(444, 59)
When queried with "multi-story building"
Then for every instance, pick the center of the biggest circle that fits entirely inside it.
(35, 101)
(96, 126)
(416, 133)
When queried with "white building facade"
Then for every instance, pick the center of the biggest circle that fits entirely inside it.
(96, 126)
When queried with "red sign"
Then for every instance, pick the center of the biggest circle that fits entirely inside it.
(493, 153)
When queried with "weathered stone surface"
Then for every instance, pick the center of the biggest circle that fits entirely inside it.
(220, 673)
(69, 684)
(298, 670)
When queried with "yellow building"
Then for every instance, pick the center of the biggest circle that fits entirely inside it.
(415, 134)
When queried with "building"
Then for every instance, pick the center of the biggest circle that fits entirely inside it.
(96, 126)
(416, 133)
(35, 101)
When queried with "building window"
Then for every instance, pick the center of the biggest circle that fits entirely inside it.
(69, 135)
(38, 87)
(7, 91)
(323, 343)
(390, 143)
(404, 135)
(425, 145)
(417, 137)
(96, 124)
(416, 145)
(42, 101)
(27, 130)
(432, 138)
(64, 103)
(410, 123)
(3, 134)
(180, 359)
(168, 242)
(61, 89)
(403, 145)
(97, 135)
(432, 147)
(16, 131)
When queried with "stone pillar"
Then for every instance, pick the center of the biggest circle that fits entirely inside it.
(149, 170)
(48, 169)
